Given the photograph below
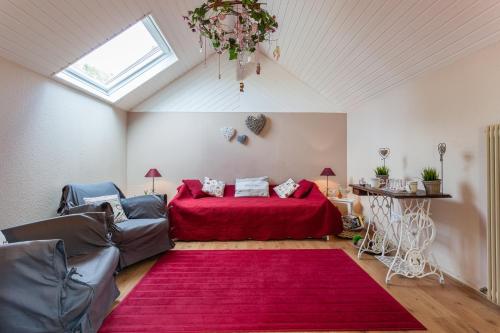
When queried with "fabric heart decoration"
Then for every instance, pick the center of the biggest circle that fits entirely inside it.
(256, 124)
(242, 139)
(228, 132)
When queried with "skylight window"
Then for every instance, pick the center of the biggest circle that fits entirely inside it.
(123, 63)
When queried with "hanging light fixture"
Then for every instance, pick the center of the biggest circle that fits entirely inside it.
(233, 26)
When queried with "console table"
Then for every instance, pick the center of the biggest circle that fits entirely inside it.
(400, 234)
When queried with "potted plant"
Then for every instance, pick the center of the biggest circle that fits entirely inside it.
(430, 178)
(382, 172)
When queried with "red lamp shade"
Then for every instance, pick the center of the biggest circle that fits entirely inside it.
(327, 172)
(153, 173)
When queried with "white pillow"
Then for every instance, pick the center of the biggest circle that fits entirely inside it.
(213, 187)
(3, 240)
(252, 187)
(115, 203)
(286, 189)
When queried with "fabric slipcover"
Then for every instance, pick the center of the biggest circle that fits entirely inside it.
(94, 269)
(137, 239)
(73, 194)
(144, 207)
(39, 293)
(82, 233)
(141, 238)
(104, 207)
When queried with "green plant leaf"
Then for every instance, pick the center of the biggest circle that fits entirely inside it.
(233, 53)
(429, 174)
(381, 171)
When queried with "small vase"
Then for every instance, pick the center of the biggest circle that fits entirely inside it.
(383, 180)
(432, 187)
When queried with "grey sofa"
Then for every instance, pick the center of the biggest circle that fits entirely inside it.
(144, 234)
(60, 275)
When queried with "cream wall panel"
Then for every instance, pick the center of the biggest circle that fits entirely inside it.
(190, 145)
(51, 135)
(453, 105)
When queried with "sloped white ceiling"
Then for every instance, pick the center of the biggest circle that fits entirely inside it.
(347, 50)
(351, 50)
(48, 35)
(200, 90)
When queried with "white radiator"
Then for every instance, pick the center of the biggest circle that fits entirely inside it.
(493, 230)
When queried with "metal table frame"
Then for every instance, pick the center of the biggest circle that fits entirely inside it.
(400, 232)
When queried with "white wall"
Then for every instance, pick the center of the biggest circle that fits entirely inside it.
(51, 135)
(452, 105)
(200, 90)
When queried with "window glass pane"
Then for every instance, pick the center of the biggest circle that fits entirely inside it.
(123, 63)
(114, 57)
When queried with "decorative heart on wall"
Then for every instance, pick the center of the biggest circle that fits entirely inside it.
(256, 124)
(228, 132)
(384, 152)
(242, 139)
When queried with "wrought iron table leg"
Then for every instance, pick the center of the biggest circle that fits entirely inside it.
(375, 240)
(413, 258)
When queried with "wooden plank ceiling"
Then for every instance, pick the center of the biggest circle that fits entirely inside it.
(348, 50)
(48, 35)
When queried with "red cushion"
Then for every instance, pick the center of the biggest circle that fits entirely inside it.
(305, 187)
(195, 186)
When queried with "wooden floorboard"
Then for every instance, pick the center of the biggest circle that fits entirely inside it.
(449, 308)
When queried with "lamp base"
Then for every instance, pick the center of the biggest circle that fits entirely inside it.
(326, 187)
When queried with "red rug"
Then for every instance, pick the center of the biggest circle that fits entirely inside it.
(260, 290)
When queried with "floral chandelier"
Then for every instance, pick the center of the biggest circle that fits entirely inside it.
(233, 26)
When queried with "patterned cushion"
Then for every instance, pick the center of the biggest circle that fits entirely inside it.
(114, 201)
(213, 187)
(286, 189)
(252, 187)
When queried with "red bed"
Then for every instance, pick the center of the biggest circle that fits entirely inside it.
(231, 218)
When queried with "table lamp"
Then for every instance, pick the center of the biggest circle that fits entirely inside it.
(327, 172)
(153, 173)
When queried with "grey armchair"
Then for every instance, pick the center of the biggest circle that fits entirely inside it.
(144, 234)
(60, 275)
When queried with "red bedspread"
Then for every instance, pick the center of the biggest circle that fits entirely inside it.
(231, 218)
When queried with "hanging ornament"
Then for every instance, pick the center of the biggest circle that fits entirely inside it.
(235, 26)
(257, 68)
(219, 67)
(205, 47)
(277, 53)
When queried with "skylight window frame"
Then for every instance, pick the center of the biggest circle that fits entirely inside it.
(126, 80)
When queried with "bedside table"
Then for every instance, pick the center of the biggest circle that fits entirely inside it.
(349, 202)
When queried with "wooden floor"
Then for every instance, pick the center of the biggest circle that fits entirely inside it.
(450, 308)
